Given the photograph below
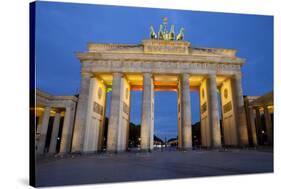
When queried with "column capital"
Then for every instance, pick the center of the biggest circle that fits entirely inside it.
(147, 74)
(117, 74)
(184, 75)
(237, 76)
(183, 78)
(87, 74)
(47, 108)
(251, 107)
(265, 108)
(212, 76)
(58, 112)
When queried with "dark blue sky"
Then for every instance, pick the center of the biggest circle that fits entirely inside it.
(63, 29)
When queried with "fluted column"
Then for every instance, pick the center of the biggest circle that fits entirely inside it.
(80, 119)
(252, 126)
(147, 121)
(240, 112)
(268, 124)
(214, 112)
(55, 133)
(186, 131)
(115, 114)
(44, 129)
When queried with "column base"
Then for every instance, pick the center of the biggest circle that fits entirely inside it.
(216, 147)
(90, 152)
(61, 154)
(116, 151)
(185, 149)
(146, 150)
(236, 147)
(211, 147)
(39, 153)
(51, 153)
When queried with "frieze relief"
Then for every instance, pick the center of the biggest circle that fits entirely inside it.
(126, 109)
(227, 107)
(97, 108)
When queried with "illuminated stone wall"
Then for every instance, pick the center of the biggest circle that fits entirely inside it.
(95, 116)
(204, 114)
(228, 114)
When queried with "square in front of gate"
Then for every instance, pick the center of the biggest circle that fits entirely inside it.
(132, 94)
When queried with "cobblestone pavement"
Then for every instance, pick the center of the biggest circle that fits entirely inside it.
(134, 166)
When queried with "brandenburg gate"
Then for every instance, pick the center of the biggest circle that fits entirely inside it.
(164, 62)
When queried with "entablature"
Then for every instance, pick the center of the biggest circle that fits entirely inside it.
(45, 99)
(159, 67)
(107, 56)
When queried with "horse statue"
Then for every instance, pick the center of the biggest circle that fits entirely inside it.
(164, 34)
(152, 33)
(180, 36)
(172, 33)
(160, 33)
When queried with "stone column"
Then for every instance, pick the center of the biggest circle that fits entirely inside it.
(240, 112)
(80, 119)
(186, 131)
(38, 130)
(214, 112)
(259, 130)
(147, 121)
(268, 124)
(101, 137)
(67, 130)
(55, 133)
(44, 130)
(179, 142)
(205, 114)
(39, 124)
(95, 115)
(115, 115)
(252, 126)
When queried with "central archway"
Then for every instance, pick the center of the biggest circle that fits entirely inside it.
(165, 119)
